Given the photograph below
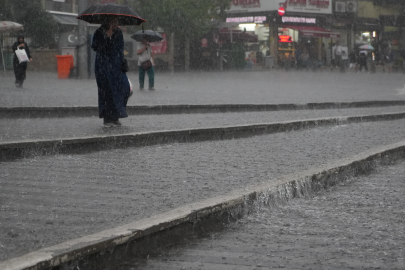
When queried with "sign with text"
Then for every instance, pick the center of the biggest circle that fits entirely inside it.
(257, 19)
(308, 6)
(241, 6)
(285, 39)
(287, 19)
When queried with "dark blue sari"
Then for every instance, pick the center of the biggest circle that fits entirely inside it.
(113, 85)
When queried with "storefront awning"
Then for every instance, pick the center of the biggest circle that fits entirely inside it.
(313, 31)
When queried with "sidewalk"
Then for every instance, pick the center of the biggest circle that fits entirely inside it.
(54, 128)
(357, 225)
(262, 87)
(48, 200)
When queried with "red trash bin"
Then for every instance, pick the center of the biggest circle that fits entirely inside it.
(65, 64)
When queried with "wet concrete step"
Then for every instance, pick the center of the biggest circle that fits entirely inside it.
(70, 127)
(86, 111)
(37, 147)
(138, 183)
(355, 225)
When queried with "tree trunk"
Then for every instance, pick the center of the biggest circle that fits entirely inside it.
(187, 53)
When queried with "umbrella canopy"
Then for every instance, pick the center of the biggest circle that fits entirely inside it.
(7, 26)
(149, 35)
(100, 13)
(366, 47)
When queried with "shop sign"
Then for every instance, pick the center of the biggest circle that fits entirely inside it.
(239, 6)
(160, 46)
(308, 6)
(257, 19)
(284, 39)
(298, 20)
(247, 3)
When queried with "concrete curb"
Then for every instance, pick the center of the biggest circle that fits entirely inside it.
(28, 148)
(110, 247)
(35, 112)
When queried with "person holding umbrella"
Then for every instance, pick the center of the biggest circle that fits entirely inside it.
(146, 63)
(20, 68)
(146, 60)
(112, 82)
(110, 67)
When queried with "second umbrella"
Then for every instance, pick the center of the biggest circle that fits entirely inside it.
(149, 35)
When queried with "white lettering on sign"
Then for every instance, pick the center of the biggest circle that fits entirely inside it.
(297, 2)
(257, 19)
(247, 3)
(317, 3)
(298, 20)
(308, 6)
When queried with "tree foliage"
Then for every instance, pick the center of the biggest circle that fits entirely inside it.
(185, 18)
(38, 24)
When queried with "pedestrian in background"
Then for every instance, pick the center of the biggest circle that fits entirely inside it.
(146, 63)
(363, 61)
(352, 60)
(323, 54)
(20, 68)
(338, 55)
(112, 82)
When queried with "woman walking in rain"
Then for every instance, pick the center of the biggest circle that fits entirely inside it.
(20, 68)
(146, 62)
(112, 82)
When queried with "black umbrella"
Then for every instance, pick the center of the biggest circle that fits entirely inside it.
(149, 35)
(101, 13)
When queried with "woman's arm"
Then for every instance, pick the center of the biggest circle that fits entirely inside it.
(95, 44)
(140, 51)
(121, 43)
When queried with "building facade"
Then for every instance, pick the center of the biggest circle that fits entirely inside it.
(300, 26)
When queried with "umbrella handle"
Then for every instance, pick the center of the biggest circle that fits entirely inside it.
(143, 31)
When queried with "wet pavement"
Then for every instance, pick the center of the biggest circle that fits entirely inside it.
(53, 128)
(264, 87)
(48, 200)
(356, 225)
